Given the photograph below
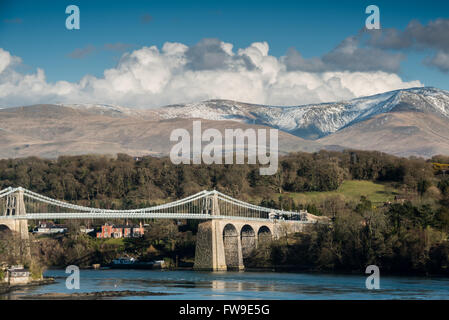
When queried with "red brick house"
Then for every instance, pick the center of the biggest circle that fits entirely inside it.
(120, 231)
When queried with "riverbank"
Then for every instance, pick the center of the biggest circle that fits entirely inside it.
(5, 288)
(91, 295)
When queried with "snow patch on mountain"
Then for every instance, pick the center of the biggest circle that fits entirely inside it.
(104, 109)
(308, 121)
(325, 118)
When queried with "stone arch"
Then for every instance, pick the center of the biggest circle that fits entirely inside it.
(264, 235)
(5, 231)
(4, 228)
(231, 246)
(248, 239)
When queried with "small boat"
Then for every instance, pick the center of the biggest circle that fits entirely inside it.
(131, 263)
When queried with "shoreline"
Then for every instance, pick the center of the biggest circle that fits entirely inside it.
(6, 288)
(92, 295)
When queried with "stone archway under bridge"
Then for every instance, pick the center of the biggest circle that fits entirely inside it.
(223, 244)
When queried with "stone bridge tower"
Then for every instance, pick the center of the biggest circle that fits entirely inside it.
(15, 207)
(209, 251)
(212, 242)
(226, 241)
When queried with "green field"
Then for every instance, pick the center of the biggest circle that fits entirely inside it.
(351, 190)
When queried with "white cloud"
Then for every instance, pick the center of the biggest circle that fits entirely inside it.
(7, 60)
(149, 77)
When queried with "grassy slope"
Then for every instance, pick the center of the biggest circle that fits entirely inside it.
(351, 190)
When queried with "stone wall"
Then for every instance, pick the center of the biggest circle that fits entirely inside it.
(223, 244)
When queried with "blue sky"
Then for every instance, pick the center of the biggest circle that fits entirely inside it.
(35, 30)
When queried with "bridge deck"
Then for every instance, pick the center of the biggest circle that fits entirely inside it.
(23, 204)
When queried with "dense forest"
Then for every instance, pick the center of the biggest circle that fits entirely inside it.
(407, 235)
(138, 181)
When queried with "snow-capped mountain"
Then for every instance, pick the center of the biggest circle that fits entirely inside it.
(403, 122)
(315, 120)
(311, 121)
(104, 109)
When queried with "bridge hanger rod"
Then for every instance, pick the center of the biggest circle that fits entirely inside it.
(55, 202)
(225, 197)
(97, 210)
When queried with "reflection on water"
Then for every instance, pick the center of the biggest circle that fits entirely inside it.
(244, 285)
(241, 286)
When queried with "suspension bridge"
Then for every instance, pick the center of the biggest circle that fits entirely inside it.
(232, 227)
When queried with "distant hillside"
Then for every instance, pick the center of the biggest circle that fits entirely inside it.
(402, 122)
(52, 130)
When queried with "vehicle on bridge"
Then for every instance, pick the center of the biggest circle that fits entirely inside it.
(440, 167)
(295, 216)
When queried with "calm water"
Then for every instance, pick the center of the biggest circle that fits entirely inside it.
(246, 285)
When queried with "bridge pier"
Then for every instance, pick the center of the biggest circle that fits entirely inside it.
(223, 244)
(209, 251)
(219, 241)
(15, 207)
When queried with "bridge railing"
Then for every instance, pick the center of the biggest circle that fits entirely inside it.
(196, 206)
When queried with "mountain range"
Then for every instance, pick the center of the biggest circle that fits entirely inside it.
(408, 122)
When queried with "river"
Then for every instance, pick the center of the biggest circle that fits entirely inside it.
(243, 285)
